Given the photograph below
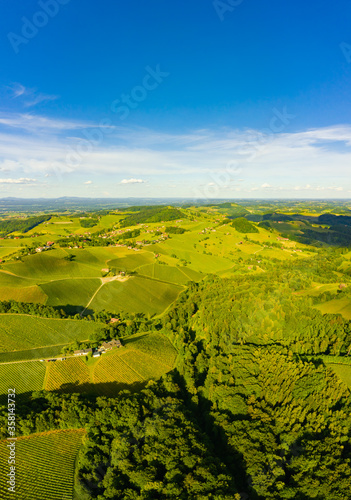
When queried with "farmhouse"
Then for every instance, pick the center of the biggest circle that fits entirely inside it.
(82, 352)
(107, 346)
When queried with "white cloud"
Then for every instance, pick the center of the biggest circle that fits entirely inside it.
(22, 180)
(32, 145)
(88, 182)
(132, 181)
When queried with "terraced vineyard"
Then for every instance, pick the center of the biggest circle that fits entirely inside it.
(74, 292)
(154, 345)
(21, 332)
(112, 369)
(24, 377)
(164, 273)
(71, 374)
(30, 354)
(136, 295)
(38, 475)
(144, 357)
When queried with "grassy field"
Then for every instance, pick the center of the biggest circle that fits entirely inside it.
(337, 306)
(50, 265)
(24, 377)
(343, 371)
(44, 465)
(20, 332)
(138, 294)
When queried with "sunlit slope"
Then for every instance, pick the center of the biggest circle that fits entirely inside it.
(138, 294)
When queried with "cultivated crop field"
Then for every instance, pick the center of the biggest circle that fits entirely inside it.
(32, 294)
(44, 465)
(111, 369)
(138, 294)
(21, 332)
(24, 377)
(39, 353)
(74, 292)
(71, 374)
(144, 357)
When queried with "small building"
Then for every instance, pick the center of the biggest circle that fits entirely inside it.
(82, 352)
(96, 354)
(114, 320)
(108, 346)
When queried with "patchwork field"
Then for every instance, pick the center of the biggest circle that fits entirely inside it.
(143, 357)
(44, 465)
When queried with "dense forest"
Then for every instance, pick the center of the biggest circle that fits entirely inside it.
(21, 225)
(152, 214)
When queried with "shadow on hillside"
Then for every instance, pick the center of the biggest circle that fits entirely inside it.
(100, 389)
(130, 340)
(70, 309)
(219, 441)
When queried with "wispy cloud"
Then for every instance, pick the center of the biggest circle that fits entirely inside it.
(33, 123)
(17, 90)
(37, 99)
(31, 97)
(132, 181)
(32, 145)
(22, 180)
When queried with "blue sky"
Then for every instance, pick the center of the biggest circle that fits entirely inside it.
(200, 98)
